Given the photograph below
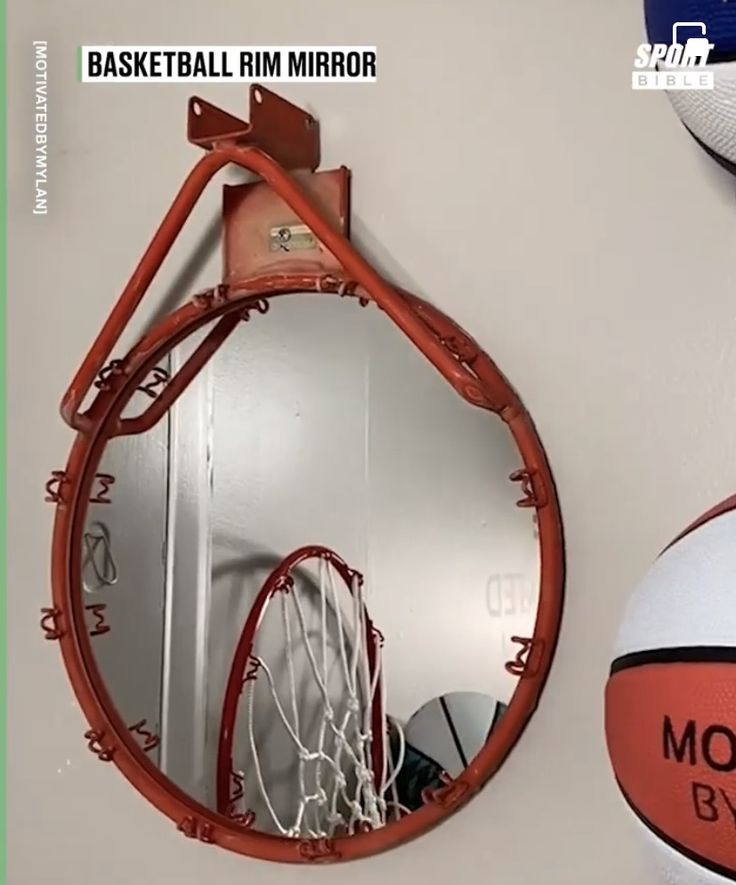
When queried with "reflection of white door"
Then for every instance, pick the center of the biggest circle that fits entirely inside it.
(185, 670)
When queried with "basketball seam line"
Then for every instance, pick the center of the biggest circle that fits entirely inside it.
(453, 732)
(694, 654)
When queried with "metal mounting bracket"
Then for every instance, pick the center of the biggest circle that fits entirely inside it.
(277, 127)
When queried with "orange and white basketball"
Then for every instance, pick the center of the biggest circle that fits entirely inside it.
(671, 703)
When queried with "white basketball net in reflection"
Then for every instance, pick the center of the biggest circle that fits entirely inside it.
(337, 789)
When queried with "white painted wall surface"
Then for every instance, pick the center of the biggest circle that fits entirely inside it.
(504, 169)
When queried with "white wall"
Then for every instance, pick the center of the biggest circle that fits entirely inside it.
(504, 169)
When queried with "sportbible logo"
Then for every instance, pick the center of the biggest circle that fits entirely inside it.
(675, 65)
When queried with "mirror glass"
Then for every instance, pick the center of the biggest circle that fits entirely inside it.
(316, 424)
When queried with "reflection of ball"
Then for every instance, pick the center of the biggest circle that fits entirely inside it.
(451, 729)
(710, 115)
(671, 702)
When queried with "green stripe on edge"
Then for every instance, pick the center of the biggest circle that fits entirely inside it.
(3, 447)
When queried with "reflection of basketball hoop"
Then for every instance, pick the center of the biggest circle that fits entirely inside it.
(344, 772)
(280, 145)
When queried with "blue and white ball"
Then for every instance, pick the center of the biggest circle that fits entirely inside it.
(709, 115)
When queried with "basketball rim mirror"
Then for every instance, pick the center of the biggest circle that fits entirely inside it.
(307, 560)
